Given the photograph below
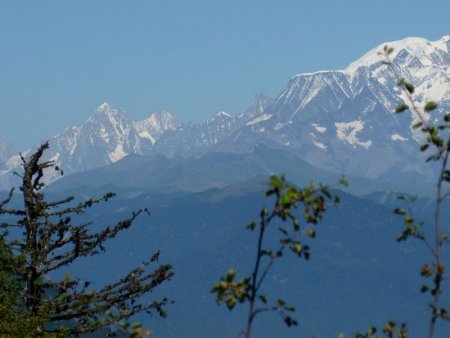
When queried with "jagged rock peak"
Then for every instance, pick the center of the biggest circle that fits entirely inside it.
(258, 106)
(104, 106)
(106, 110)
(155, 125)
(163, 120)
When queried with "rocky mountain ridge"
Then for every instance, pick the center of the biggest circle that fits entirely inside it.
(341, 121)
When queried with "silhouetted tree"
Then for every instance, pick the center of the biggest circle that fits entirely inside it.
(51, 241)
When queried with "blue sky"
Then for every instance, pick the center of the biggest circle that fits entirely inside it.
(59, 60)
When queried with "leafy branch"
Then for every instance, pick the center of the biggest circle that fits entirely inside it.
(311, 200)
(437, 143)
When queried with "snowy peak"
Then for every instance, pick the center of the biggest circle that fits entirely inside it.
(105, 113)
(420, 48)
(104, 106)
(162, 121)
(107, 136)
(155, 125)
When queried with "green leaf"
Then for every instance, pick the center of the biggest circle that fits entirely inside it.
(289, 308)
(429, 106)
(399, 211)
(446, 175)
(266, 252)
(251, 226)
(296, 225)
(401, 108)
(263, 298)
(311, 233)
(371, 330)
(297, 247)
(39, 281)
(230, 274)
(409, 87)
(424, 147)
(136, 325)
(281, 302)
(62, 297)
(343, 181)
(264, 212)
(276, 182)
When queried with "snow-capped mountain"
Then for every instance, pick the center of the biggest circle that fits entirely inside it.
(340, 120)
(344, 121)
(104, 138)
(211, 134)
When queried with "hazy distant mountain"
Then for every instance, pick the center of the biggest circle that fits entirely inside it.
(341, 121)
(9, 159)
(6, 150)
(159, 174)
(358, 274)
(106, 137)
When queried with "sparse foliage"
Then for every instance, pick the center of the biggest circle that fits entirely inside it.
(436, 142)
(288, 199)
(390, 330)
(51, 242)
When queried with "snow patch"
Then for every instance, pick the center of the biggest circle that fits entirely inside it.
(347, 132)
(145, 134)
(278, 126)
(117, 154)
(260, 118)
(104, 106)
(398, 137)
(319, 128)
(224, 114)
(104, 134)
(319, 145)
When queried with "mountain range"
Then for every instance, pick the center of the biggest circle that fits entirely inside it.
(340, 121)
(204, 182)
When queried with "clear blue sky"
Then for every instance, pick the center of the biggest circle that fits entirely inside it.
(60, 59)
